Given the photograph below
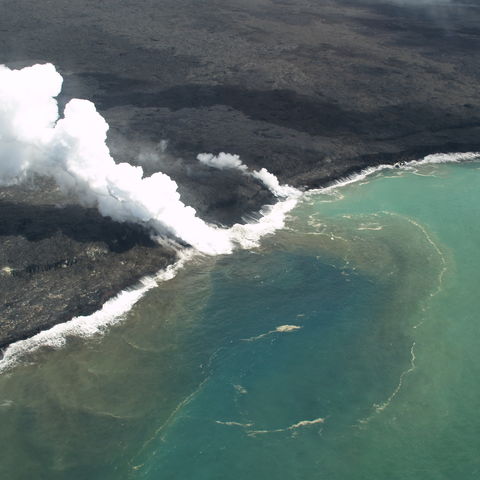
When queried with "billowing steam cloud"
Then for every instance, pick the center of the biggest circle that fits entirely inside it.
(226, 160)
(73, 151)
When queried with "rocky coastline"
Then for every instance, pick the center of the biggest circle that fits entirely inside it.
(312, 91)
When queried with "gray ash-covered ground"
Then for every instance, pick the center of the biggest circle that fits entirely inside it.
(311, 90)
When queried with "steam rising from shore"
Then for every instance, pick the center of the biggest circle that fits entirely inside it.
(73, 151)
(224, 161)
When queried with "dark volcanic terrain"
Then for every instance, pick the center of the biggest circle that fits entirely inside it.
(311, 90)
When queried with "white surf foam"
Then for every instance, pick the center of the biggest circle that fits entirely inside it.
(244, 236)
(436, 158)
(273, 218)
(112, 312)
(73, 151)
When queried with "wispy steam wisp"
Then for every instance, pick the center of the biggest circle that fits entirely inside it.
(226, 160)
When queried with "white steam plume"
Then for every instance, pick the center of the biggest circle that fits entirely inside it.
(222, 161)
(226, 160)
(73, 151)
(272, 183)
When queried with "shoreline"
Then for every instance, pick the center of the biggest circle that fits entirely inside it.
(119, 304)
(313, 92)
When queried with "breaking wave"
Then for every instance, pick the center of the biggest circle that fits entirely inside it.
(72, 150)
(435, 158)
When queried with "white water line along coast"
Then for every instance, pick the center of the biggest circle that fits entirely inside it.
(435, 158)
(115, 309)
(72, 150)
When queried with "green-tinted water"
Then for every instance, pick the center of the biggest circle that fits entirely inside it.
(373, 373)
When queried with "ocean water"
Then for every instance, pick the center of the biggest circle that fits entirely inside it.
(345, 347)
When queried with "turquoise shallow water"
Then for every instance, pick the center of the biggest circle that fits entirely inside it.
(345, 347)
